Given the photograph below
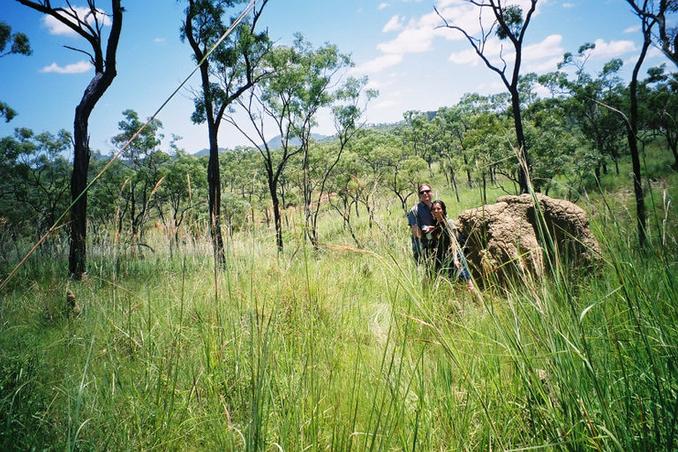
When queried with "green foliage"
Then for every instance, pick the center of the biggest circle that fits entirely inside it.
(19, 45)
(34, 176)
(18, 42)
(512, 18)
(7, 112)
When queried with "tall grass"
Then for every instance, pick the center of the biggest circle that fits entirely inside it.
(345, 349)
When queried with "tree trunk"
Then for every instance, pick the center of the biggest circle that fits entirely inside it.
(520, 136)
(484, 189)
(469, 179)
(276, 215)
(78, 240)
(214, 197)
(632, 134)
(453, 177)
(673, 144)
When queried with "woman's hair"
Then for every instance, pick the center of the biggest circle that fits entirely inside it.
(422, 186)
(442, 204)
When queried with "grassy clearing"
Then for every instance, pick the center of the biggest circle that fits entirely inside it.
(346, 349)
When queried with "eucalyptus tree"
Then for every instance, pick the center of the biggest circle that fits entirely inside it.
(346, 184)
(507, 23)
(665, 32)
(348, 105)
(452, 125)
(659, 96)
(108, 198)
(372, 149)
(183, 189)
(18, 45)
(33, 179)
(588, 102)
(420, 133)
(231, 69)
(145, 160)
(397, 170)
(489, 148)
(302, 81)
(553, 142)
(322, 71)
(90, 27)
(272, 105)
(648, 21)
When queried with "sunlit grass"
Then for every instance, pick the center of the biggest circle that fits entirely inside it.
(344, 348)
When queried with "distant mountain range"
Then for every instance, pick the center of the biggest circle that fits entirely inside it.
(273, 143)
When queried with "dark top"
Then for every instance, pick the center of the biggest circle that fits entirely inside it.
(420, 215)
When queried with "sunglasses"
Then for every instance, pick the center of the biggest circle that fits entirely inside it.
(424, 191)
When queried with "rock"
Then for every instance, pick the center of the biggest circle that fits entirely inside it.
(505, 237)
(72, 306)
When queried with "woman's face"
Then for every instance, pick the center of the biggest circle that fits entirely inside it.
(437, 212)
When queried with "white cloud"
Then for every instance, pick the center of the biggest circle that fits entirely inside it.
(55, 27)
(632, 29)
(383, 5)
(377, 64)
(385, 104)
(538, 57)
(74, 68)
(418, 35)
(490, 87)
(395, 23)
(611, 49)
(654, 52)
(547, 50)
(468, 56)
(159, 40)
(568, 5)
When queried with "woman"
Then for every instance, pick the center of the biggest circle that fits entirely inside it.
(445, 248)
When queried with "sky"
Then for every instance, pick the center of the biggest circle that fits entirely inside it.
(399, 44)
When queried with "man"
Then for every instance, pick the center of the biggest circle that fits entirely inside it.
(421, 222)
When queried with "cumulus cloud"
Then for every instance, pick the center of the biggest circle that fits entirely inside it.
(538, 57)
(377, 64)
(55, 27)
(385, 104)
(74, 68)
(395, 23)
(632, 29)
(418, 34)
(159, 40)
(568, 5)
(545, 55)
(611, 49)
(383, 5)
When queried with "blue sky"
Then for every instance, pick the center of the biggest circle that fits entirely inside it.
(395, 42)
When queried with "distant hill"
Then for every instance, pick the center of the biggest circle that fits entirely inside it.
(206, 152)
(273, 143)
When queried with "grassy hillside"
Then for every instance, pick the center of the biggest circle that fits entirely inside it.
(346, 348)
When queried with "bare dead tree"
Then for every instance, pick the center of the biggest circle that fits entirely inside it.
(665, 37)
(508, 23)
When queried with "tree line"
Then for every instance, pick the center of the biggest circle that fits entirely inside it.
(568, 137)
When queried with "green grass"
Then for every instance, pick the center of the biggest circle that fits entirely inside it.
(346, 349)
